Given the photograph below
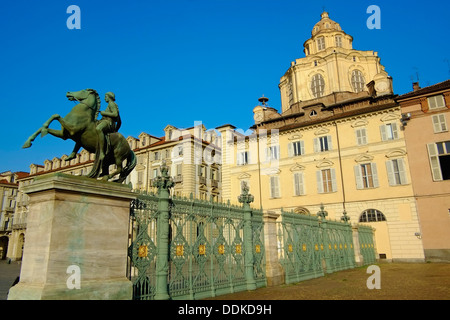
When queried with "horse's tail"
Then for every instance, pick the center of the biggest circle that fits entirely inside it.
(131, 163)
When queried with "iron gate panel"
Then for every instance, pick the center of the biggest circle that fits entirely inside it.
(206, 248)
(143, 248)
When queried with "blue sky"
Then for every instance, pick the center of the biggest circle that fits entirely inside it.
(176, 62)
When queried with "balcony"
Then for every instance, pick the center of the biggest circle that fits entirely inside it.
(178, 178)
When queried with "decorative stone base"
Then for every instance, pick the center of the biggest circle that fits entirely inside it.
(76, 240)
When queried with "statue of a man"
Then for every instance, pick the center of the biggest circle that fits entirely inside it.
(109, 123)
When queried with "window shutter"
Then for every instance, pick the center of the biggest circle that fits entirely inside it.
(358, 137)
(302, 147)
(330, 146)
(390, 173)
(436, 126)
(375, 175)
(333, 180)
(358, 177)
(434, 162)
(298, 184)
(402, 171)
(274, 187)
(443, 122)
(394, 130)
(316, 145)
(319, 181)
(239, 159)
(290, 149)
(363, 136)
(383, 132)
(439, 123)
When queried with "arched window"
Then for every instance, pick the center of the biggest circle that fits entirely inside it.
(317, 85)
(358, 81)
(372, 215)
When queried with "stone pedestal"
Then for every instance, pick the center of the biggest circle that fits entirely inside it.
(76, 240)
(274, 270)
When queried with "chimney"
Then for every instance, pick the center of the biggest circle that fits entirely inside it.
(416, 86)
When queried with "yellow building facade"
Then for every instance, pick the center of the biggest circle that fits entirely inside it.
(336, 142)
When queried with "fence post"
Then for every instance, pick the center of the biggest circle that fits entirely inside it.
(274, 270)
(163, 183)
(246, 198)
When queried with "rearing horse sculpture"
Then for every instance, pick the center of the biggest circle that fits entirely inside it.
(79, 125)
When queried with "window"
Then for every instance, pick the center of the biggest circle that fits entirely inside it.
(179, 169)
(389, 131)
(439, 123)
(320, 43)
(361, 136)
(322, 144)
(317, 85)
(326, 180)
(439, 155)
(396, 172)
(436, 102)
(366, 176)
(299, 186)
(372, 215)
(156, 155)
(242, 158)
(274, 187)
(358, 81)
(338, 40)
(273, 153)
(296, 148)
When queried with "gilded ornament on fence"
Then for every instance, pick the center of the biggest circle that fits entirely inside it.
(316, 247)
(143, 251)
(179, 250)
(221, 249)
(321, 246)
(257, 248)
(238, 249)
(304, 247)
(201, 249)
(290, 248)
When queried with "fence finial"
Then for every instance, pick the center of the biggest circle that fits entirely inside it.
(322, 213)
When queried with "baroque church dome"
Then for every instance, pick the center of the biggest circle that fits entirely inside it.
(325, 25)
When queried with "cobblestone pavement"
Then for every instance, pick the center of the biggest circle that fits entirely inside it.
(399, 281)
(8, 273)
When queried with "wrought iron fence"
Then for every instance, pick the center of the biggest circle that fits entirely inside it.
(310, 246)
(212, 248)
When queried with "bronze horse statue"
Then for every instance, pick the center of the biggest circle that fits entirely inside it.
(79, 125)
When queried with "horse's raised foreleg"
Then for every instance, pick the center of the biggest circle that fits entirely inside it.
(31, 138)
(45, 129)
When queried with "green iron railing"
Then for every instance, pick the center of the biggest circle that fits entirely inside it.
(311, 245)
(191, 249)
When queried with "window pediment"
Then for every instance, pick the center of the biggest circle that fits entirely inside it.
(359, 123)
(271, 171)
(364, 158)
(325, 164)
(295, 136)
(296, 167)
(389, 117)
(243, 176)
(321, 131)
(396, 153)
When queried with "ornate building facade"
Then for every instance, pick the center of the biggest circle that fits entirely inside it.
(338, 141)
(426, 117)
(10, 225)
